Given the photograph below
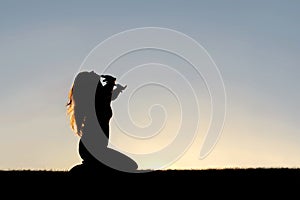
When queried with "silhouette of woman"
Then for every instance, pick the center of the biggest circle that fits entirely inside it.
(104, 95)
(89, 109)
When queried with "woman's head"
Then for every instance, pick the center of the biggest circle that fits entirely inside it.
(109, 79)
(80, 99)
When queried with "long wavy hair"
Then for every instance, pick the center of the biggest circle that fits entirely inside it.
(79, 98)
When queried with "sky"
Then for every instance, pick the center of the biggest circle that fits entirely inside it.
(254, 44)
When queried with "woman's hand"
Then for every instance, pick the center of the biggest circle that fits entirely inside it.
(120, 87)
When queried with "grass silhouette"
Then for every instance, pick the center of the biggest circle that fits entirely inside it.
(226, 172)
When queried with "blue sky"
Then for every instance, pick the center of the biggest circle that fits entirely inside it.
(255, 44)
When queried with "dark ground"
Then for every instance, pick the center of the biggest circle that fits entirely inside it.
(249, 181)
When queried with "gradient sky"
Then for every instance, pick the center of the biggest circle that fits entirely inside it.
(255, 44)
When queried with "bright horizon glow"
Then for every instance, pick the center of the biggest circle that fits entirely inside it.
(255, 45)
